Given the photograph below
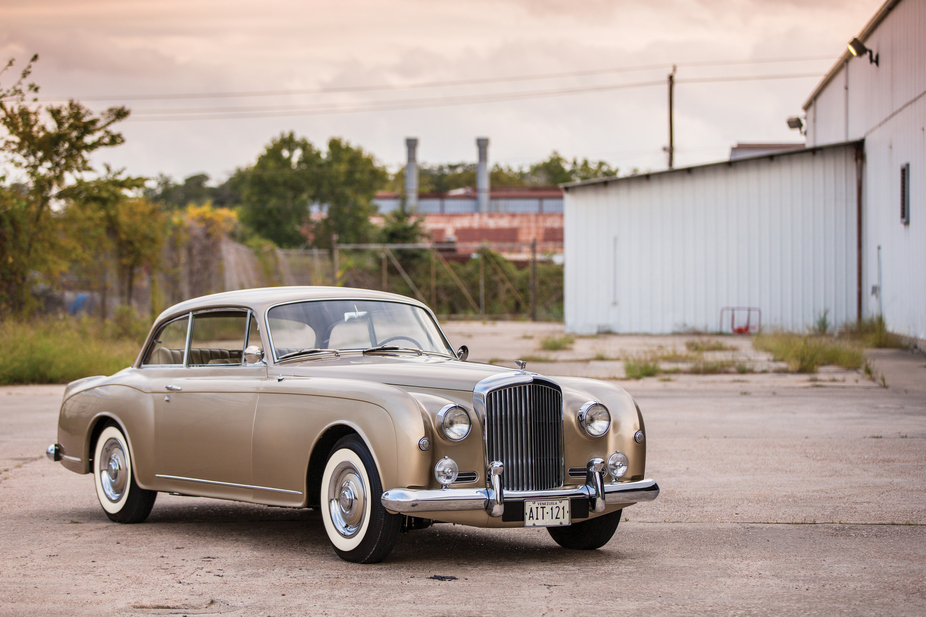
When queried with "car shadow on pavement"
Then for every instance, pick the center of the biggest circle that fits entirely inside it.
(288, 532)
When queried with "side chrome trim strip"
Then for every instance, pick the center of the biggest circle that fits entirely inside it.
(231, 484)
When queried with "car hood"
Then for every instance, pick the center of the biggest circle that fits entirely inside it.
(404, 371)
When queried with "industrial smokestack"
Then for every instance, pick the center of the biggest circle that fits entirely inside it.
(411, 174)
(482, 175)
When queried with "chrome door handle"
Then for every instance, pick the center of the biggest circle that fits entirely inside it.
(173, 388)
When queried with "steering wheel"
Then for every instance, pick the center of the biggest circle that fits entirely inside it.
(402, 337)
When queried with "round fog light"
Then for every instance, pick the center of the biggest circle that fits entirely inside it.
(446, 471)
(639, 437)
(617, 465)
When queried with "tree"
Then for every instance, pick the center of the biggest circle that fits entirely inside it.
(559, 170)
(291, 175)
(278, 189)
(347, 187)
(50, 147)
(133, 226)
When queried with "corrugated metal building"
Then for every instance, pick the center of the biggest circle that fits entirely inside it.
(884, 104)
(664, 252)
(793, 234)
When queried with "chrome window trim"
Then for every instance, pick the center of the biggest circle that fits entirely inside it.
(214, 309)
(158, 328)
(413, 304)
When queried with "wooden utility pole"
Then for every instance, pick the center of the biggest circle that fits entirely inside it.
(671, 149)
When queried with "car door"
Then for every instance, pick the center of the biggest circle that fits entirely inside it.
(204, 409)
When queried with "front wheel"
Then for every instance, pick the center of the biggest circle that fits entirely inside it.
(357, 524)
(588, 535)
(121, 498)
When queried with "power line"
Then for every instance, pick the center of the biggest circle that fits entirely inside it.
(235, 113)
(432, 84)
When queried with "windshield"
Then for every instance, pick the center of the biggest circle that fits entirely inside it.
(352, 325)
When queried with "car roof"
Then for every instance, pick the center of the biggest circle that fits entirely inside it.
(261, 298)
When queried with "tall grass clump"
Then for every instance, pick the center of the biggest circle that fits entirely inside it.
(806, 353)
(59, 350)
(708, 344)
(872, 333)
(557, 343)
(639, 367)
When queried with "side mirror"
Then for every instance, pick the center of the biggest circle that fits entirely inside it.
(463, 352)
(253, 354)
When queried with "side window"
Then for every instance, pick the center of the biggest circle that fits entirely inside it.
(168, 344)
(217, 338)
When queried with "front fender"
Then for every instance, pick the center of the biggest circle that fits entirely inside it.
(293, 413)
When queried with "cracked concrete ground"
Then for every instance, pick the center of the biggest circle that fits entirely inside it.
(780, 495)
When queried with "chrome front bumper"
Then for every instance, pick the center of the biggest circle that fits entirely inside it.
(492, 500)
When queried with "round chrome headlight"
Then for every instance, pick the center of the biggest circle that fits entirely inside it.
(595, 418)
(617, 465)
(454, 422)
(446, 471)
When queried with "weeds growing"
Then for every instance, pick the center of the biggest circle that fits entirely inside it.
(806, 353)
(708, 344)
(639, 367)
(59, 350)
(557, 343)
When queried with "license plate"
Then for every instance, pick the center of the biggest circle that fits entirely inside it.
(547, 513)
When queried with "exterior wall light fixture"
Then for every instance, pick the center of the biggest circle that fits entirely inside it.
(857, 48)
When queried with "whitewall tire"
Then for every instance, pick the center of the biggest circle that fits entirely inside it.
(114, 479)
(357, 524)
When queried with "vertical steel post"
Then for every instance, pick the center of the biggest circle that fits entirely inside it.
(385, 271)
(433, 281)
(534, 279)
(334, 260)
(482, 283)
(671, 149)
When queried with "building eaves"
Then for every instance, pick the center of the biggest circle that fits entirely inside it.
(730, 163)
(875, 21)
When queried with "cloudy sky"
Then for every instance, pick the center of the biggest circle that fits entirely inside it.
(210, 82)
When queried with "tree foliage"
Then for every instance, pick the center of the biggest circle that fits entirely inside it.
(49, 147)
(552, 171)
(291, 175)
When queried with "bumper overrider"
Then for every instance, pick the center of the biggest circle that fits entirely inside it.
(598, 493)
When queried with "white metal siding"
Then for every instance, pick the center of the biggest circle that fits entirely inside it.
(887, 108)
(666, 252)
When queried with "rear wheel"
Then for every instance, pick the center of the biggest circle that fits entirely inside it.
(121, 498)
(588, 535)
(357, 524)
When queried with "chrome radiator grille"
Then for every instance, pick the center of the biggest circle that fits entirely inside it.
(524, 430)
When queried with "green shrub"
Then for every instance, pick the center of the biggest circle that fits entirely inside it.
(61, 350)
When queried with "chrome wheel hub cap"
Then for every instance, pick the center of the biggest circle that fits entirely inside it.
(113, 473)
(346, 499)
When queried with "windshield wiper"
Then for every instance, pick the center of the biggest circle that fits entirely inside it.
(309, 352)
(388, 348)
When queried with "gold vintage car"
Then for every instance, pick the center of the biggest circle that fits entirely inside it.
(353, 402)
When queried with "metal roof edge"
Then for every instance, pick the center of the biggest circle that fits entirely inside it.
(571, 185)
(873, 23)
